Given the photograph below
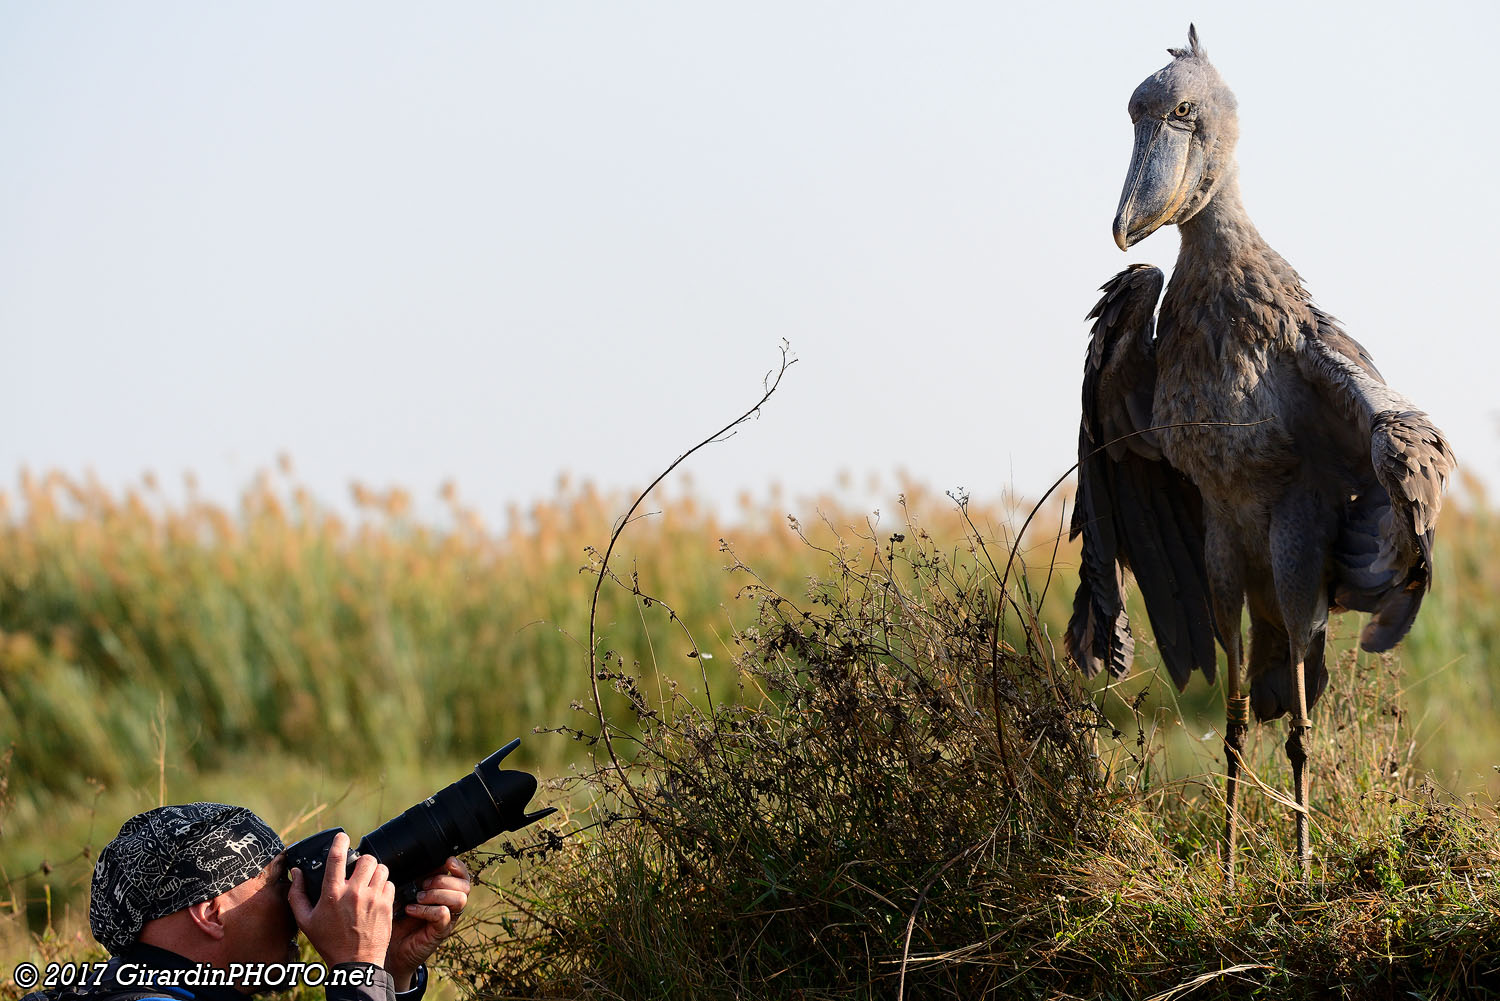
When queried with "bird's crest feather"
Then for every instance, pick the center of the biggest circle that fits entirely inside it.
(1194, 50)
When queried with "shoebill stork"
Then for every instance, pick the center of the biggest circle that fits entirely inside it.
(1238, 448)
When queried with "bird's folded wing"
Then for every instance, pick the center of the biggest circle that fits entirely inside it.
(1410, 460)
(1133, 509)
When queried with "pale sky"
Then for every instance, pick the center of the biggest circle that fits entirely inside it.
(498, 241)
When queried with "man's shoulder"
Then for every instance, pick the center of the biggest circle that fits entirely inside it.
(97, 981)
(101, 993)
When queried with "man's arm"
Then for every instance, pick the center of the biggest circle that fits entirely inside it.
(427, 923)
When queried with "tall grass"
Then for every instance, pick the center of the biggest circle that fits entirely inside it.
(284, 653)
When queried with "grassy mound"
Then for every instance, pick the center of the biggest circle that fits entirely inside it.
(914, 797)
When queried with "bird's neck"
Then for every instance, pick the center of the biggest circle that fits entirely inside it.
(1224, 256)
(1222, 230)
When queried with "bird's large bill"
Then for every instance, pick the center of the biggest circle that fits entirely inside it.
(1165, 168)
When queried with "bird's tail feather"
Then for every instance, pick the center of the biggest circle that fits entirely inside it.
(1395, 614)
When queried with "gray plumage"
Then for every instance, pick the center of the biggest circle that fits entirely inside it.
(1239, 447)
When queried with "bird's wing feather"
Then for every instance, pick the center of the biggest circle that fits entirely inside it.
(1133, 509)
(1411, 462)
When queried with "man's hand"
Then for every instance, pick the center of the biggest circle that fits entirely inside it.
(419, 932)
(351, 921)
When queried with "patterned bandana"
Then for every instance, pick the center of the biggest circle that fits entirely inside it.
(168, 858)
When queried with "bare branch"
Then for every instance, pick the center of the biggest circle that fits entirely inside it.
(770, 384)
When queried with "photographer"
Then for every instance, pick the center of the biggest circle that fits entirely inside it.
(194, 904)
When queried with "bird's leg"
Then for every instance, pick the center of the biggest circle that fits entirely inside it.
(1296, 753)
(1226, 589)
(1298, 558)
(1236, 724)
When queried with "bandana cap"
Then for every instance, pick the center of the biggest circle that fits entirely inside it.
(169, 858)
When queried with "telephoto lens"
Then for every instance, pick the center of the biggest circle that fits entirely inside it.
(488, 801)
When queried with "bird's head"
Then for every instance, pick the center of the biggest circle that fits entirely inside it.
(1185, 131)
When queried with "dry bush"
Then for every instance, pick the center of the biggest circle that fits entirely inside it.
(914, 797)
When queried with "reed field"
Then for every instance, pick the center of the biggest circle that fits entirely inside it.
(281, 655)
(332, 668)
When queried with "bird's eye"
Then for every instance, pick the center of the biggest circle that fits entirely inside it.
(1184, 109)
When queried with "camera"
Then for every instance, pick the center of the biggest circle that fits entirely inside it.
(482, 804)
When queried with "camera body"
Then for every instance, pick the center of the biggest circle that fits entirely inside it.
(488, 801)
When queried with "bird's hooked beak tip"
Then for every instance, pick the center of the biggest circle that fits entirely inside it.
(1120, 240)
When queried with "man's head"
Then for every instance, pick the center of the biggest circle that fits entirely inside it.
(196, 871)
